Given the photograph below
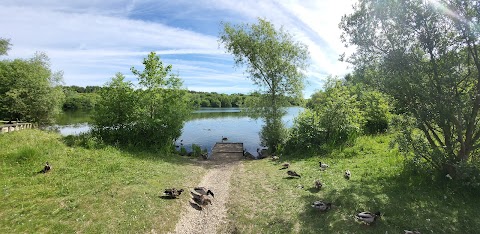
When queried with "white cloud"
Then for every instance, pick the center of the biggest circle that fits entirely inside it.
(92, 39)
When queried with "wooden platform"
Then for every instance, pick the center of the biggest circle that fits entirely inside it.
(227, 151)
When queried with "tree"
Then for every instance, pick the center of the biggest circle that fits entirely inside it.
(274, 62)
(428, 62)
(4, 46)
(150, 116)
(115, 113)
(29, 90)
(164, 104)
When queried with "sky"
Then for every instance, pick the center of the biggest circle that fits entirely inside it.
(91, 40)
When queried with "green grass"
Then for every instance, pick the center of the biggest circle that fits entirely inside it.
(88, 190)
(267, 201)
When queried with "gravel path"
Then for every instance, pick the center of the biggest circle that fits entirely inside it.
(210, 219)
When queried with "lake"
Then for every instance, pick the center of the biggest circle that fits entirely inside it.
(204, 128)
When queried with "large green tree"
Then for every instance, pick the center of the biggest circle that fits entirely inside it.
(275, 63)
(150, 116)
(425, 54)
(29, 90)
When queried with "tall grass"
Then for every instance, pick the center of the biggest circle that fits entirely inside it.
(268, 201)
(102, 190)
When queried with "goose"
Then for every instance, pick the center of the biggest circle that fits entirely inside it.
(317, 184)
(321, 206)
(285, 166)
(323, 166)
(173, 192)
(203, 191)
(368, 217)
(347, 174)
(46, 168)
(293, 174)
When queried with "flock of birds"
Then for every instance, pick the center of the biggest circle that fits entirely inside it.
(200, 195)
(365, 217)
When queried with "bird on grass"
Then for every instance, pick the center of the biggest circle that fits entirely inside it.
(293, 174)
(203, 191)
(411, 232)
(275, 157)
(46, 168)
(317, 184)
(201, 200)
(321, 205)
(347, 174)
(285, 166)
(367, 217)
(323, 166)
(173, 192)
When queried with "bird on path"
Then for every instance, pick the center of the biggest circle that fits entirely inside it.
(293, 173)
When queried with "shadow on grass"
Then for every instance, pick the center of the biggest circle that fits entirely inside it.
(406, 201)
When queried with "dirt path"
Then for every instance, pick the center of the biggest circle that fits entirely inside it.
(209, 220)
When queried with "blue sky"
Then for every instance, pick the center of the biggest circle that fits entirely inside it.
(91, 40)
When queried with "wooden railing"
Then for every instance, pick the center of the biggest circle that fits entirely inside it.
(7, 126)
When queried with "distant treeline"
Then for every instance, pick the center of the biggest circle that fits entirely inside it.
(85, 98)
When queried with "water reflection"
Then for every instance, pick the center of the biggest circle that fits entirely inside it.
(205, 127)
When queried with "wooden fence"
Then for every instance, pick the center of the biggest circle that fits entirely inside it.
(7, 126)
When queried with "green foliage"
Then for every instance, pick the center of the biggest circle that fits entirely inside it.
(375, 110)
(4, 46)
(29, 90)
(306, 134)
(151, 116)
(80, 101)
(275, 63)
(428, 61)
(196, 150)
(334, 118)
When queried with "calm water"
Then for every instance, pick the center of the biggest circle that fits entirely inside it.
(205, 127)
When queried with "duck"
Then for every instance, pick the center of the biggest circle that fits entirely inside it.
(321, 205)
(347, 174)
(224, 138)
(201, 200)
(317, 184)
(368, 217)
(411, 232)
(275, 157)
(173, 192)
(323, 166)
(285, 166)
(46, 168)
(203, 191)
(293, 174)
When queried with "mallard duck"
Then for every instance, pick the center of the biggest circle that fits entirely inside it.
(201, 200)
(411, 232)
(323, 166)
(367, 217)
(46, 168)
(275, 157)
(347, 174)
(224, 138)
(317, 184)
(173, 192)
(203, 191)
(293, 174)
(285, 166)
(321, 205)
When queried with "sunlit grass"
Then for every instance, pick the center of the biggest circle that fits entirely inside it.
(88, 190)
(267, 201)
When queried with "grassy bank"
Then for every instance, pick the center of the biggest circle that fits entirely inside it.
(267, 201)
(88, 190)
